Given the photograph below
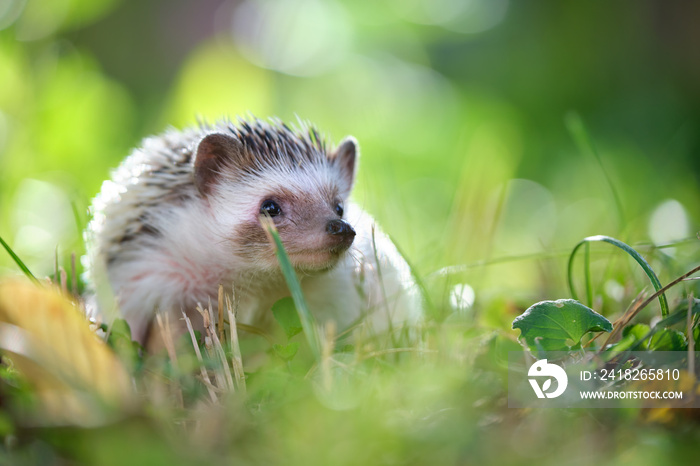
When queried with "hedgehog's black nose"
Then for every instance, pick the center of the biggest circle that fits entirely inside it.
(340, 228)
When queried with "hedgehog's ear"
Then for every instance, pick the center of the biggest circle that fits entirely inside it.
(214, 152)
(345, 157)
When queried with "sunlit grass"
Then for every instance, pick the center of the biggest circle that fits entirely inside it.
(632, 252)
(341, 404)
(18, 261)
(470, 161)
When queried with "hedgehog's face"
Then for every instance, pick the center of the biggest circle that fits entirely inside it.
(305, 200)
(310, 224)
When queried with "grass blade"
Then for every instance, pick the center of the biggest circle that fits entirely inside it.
(587, 272)
(419, 283)
(308, 322)
(634, 310)
(77, 218)
(635, 255)
(18, 261)
(583, 141)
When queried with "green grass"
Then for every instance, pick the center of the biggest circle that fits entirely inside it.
(631, 251)
(308, 322)
(18, 261)
(584, 143)
(466, 162)
(442, 402)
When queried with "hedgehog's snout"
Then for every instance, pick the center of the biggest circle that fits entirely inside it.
(341, 232)
(340, 228)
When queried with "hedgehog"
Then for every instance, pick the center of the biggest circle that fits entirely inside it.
(182, 214)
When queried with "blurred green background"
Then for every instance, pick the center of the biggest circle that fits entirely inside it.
(464, 110)
(460, 107)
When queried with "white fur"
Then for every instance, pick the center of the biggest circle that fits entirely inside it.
(185, 265)
(371, 286)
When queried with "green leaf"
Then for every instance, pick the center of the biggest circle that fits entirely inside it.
(636, 331)
(286, 315)
(676, 317)
(551, 325)
(286, 352)
(119, 339)
(631, 335)
(119, 330)
(668, 340)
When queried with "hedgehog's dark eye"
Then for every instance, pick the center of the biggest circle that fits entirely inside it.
(339, 209)
(270, 208)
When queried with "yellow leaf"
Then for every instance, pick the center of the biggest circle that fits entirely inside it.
(76, 378)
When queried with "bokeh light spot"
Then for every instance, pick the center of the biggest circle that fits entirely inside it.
(668, 222)
(298, 37)
(462, 297)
